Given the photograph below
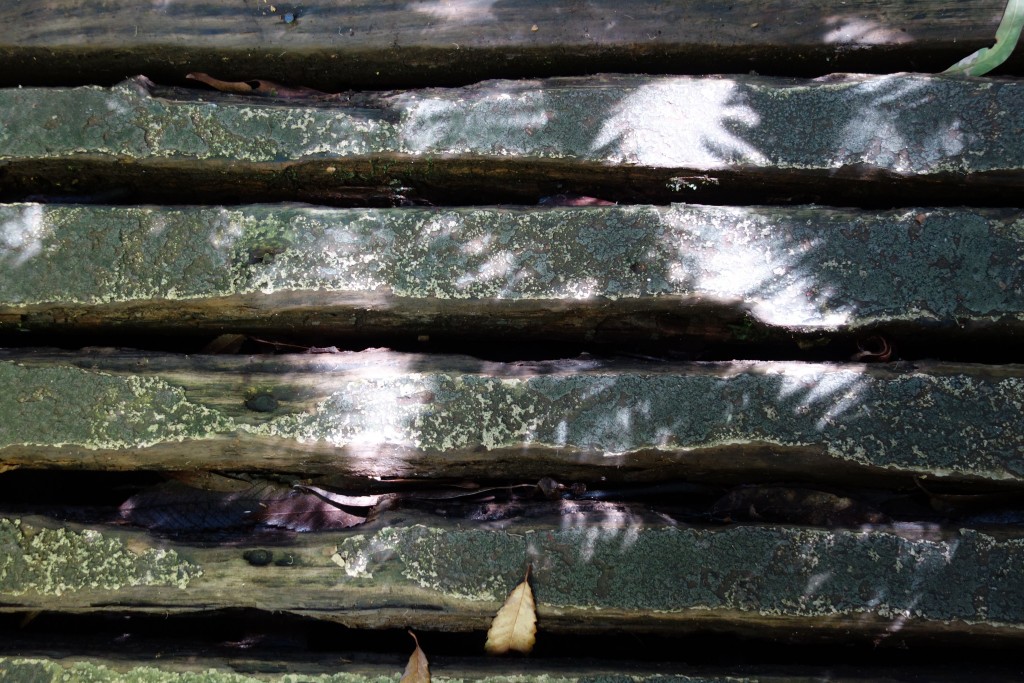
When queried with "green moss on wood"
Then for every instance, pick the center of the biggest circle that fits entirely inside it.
(58, 561)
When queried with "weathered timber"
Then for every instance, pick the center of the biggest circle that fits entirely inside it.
(366, 44)
(63, 666)
(837, 140)
(601, 274)
(379, 414)
(588, 576)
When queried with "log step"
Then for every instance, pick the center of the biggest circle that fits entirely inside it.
(838, 140)
(370, 44)
(380, 414)
(590, 574)
(593, 274)
(169, 669)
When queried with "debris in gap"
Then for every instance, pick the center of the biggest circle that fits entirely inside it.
(794, 506)
(553, 490)
(874, 349)
(993, 507)
(304, 349)
(258, 86)
(340, 499)
(573, 200)
(225, 343)
(418, 668)
(177, 507)
(515, 625)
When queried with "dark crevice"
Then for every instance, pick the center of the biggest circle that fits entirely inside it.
(881, 344)
(167, 504)
(484, 181)
(451, 66)
(257, 642)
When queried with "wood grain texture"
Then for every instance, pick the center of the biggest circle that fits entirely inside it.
(381, 414)
(589, 575)
(366, 44)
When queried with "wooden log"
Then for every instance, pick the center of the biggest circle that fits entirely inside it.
(600, 274)
(58, 668)
(61, 666)
(378, 414)
(617, 137)
(620, 573)
(366, 44)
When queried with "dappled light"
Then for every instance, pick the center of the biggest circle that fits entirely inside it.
(666, 323)
(856, 30)
(881, 127)
(23, 232)
(457, 11)
(828, 397)
(662, 124)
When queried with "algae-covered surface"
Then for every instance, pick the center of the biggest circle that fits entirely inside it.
(968, 578)
(39, 670)
(793, 268)
(61, 561)
(902, 124)
(955, 421)
(414, 570)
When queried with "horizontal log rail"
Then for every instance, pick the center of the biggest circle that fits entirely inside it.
(340, 44)
(588, 576)
(847, 139)
(378, 414)
(595, 274)
(724, 354)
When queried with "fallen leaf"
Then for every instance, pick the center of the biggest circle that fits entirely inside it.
(418, 668)
(515, 625)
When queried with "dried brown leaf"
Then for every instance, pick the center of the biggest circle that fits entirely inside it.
(418, 669)
(515, 625)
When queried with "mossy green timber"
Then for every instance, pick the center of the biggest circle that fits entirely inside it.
(621, 571)
(686, 138)
(595, 274)
(382, 414)
(372, 44)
